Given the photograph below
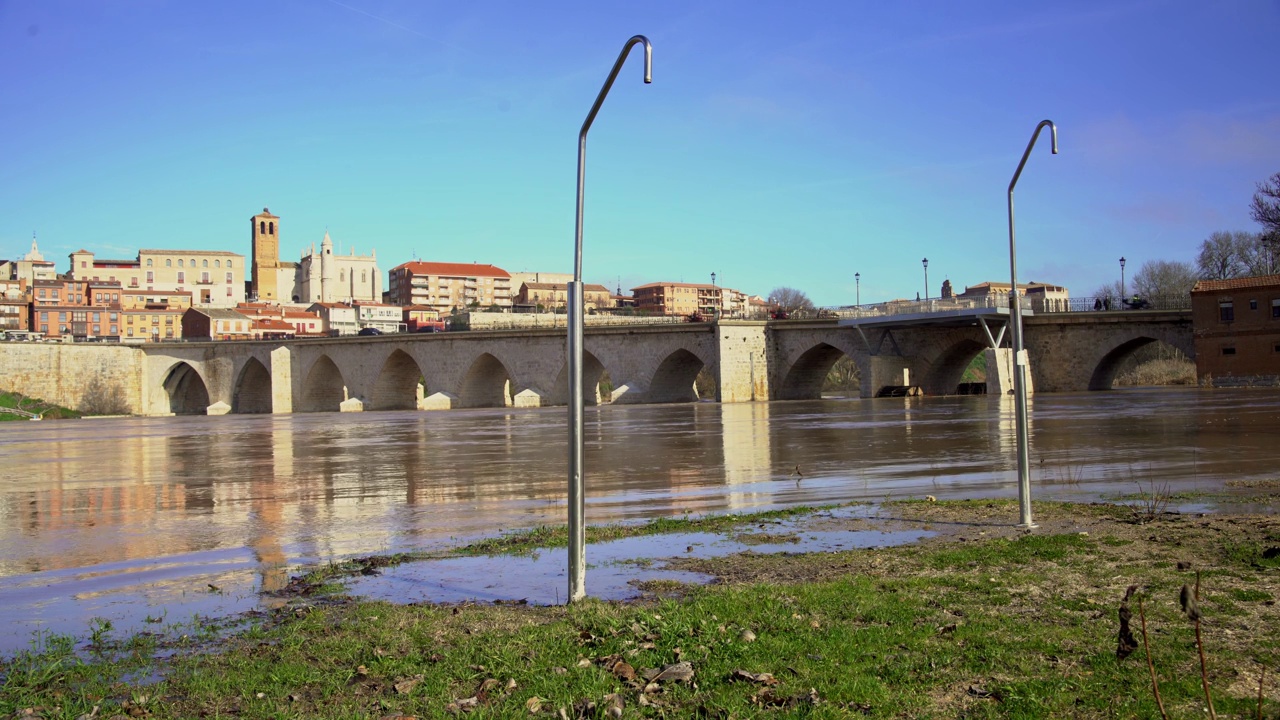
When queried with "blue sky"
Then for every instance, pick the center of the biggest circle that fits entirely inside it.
(779, 144)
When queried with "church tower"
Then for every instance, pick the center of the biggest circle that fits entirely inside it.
(328, 281)
(265, 234)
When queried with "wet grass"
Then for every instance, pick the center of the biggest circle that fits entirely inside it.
(558, 536)
(1016, 626)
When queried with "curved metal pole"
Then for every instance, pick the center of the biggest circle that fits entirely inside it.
(1019, 357)
(577, 527)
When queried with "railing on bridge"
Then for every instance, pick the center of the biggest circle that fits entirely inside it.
(1039, 306)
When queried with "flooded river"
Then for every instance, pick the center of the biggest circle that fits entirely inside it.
(159, 518)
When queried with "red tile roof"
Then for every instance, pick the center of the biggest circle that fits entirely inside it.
(418, 267)
(1236, 283)
(675, 284)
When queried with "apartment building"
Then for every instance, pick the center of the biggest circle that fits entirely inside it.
(213, 277)
(386, 318)
(336, 318)
(81, 309)
(550, 296)
(449, 286)
(1236, 325)
(216, 324)
(675, 298)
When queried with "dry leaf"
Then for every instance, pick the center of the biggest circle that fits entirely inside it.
(762, 678)
(534, 705)
(745, 635)
(404, 686)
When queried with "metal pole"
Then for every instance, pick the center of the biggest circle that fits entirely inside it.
(1122, 293)
(1019, 355)
(577, 529)
(926, 278)
(857, 288)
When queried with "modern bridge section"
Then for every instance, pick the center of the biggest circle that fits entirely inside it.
(751, 361)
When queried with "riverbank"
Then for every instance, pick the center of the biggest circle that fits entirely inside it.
(982, 619)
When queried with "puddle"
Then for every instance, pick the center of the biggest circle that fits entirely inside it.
(615, 568)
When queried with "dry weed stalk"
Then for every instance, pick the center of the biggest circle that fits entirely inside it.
(1151, 667)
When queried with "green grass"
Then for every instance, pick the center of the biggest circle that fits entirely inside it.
(1021, 627)
(48, 411)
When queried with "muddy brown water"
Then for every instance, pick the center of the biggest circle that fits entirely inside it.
(138, 519)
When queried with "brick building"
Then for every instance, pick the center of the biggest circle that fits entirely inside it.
(556, 295)
(1237, 330)
(449, 286)
(675, 298)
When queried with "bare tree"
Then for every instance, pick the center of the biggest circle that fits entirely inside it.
(1222, 255)
(789, 299)
(1265, 208)
(1164, 279)
(1262, 257)
(102, 398)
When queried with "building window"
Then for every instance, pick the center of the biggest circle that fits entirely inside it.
(115, 330)
(1253, 304)
(204, 278)
(217, 263)
(228, 292)
(1275, 309)
(228, 278)
(129, 332)
(182, 277)
(206, 262)
(151, 277)
(1226, 312)
(1228, 351)
(168, 262)
(179, 262)
(262, 227)
(148, 262)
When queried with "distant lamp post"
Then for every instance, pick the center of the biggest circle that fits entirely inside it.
(926, 278)
(857, 288)
(1019, 361)
(1122, 277)
(577, 530)
(713, 279)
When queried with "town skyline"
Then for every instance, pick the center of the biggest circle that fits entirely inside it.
(776, 147)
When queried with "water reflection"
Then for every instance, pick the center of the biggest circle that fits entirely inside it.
(151, 507)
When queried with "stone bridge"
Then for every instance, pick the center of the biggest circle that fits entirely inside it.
(750, 361)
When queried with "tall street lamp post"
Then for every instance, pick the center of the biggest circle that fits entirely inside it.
(1019, 356)
(926, 278)
(577, 530)
(1122, 293)
(857, 288)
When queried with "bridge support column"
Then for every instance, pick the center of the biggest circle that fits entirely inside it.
(281, 381)
(1000, 372)
(884, 371)
(743, 362)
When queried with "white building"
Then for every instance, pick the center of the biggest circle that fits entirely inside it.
(327, 277)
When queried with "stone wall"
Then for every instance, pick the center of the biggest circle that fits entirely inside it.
(62, 372)
(743, 361)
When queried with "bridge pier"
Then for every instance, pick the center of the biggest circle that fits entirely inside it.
(1000, 372)
(281, 381)
(743, 361)
(879, 371)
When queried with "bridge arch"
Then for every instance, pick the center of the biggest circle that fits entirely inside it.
(674, 378)
(324, 389)
(186, 390)
(253, 389)
(486, 384)
(1104, 373)
(397, 385)
(943, 377)
(806, 376)
(592, 372)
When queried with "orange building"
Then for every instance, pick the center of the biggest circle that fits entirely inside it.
(449, 286)
(675, 298)
(1237, 330)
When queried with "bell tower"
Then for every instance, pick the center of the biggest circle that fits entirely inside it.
(265, 243)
